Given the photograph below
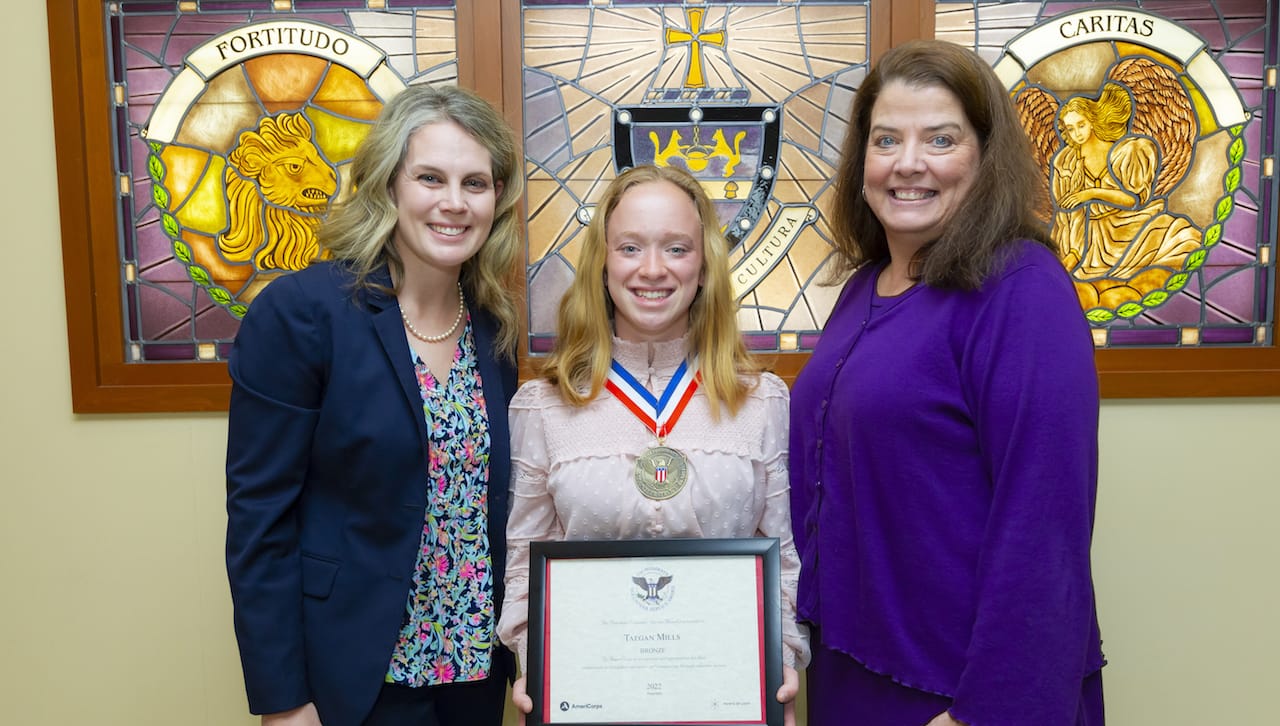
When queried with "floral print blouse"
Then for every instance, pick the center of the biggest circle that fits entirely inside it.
(448, 627)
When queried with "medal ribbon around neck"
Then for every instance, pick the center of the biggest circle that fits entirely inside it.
(658, 414)
(660, 471)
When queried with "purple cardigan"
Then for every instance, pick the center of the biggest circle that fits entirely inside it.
(944, 449)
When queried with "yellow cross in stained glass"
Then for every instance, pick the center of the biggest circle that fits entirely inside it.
(694, 36)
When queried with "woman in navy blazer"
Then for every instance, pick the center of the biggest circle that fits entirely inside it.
(367, 498)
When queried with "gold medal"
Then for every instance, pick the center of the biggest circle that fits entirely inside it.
(661, 472)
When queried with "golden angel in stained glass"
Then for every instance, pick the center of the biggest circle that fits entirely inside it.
(1112, 160)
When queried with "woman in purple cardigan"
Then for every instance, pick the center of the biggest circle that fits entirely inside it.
(944, 433)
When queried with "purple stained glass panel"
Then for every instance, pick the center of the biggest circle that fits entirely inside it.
(165, 352)
(150, 7)
(761, 343)
(1227, 336)
(1182, 309)
(1164, 337)
(541, 344)
(213, 6)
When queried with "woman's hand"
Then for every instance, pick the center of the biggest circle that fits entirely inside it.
(787, 693)
(521, 699)
(304, 715)
(944, 719)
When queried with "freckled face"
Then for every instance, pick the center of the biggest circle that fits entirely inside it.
(922, 158)
(445, 198)
(653, 264)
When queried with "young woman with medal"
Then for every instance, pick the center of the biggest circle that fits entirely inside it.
(649, 419)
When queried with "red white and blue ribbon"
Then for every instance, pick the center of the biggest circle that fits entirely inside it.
(659, 414)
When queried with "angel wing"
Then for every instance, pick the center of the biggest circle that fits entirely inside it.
(1163, 111)
(1038, 112)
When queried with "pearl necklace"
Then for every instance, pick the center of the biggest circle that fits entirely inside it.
(462, 309)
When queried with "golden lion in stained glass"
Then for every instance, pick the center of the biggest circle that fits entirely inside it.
(278, 190)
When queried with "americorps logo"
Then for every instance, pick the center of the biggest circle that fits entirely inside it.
(566, 706)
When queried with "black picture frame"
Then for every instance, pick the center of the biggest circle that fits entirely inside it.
(647, 553)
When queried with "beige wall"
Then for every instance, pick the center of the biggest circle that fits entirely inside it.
(113, 602)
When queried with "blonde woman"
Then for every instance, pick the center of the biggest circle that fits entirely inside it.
(650, 315)
(367, 460)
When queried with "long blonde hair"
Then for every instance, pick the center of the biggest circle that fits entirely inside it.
(359, 231)
(579, 363)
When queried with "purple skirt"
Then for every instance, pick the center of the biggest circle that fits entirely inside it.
(840, 691)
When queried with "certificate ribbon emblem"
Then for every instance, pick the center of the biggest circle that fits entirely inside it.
(660, 471)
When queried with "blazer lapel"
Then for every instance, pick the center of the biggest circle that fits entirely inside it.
(390, 331)
(495, 393)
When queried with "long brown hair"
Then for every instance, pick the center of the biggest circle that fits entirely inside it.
(1001, 205)
(579, 363)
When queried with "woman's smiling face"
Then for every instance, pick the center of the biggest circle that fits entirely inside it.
(445, 198)
(922, 158)
(653, 261)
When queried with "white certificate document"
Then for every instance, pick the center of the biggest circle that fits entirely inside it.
(654, 640)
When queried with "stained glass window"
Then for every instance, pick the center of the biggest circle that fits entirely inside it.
(1168, 220)
(1156, 126)
(235, 123)
(749, 96)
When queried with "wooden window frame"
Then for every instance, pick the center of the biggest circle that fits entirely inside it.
(103, 382)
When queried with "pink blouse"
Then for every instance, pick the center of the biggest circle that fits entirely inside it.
(571, 478)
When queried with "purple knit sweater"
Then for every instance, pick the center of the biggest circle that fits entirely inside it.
(944, 450)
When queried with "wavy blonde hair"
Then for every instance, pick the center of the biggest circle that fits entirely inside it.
(579, 363)
(1109, 114)
(359, 231)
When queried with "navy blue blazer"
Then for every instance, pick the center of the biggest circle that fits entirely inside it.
(327, 489)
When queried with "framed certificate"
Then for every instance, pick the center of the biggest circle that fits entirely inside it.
(664, 631)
